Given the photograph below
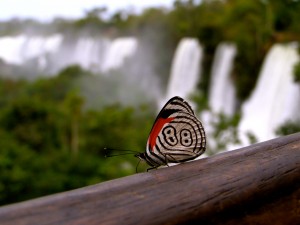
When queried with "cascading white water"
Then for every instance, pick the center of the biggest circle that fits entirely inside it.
(222, 97)
(37, 46)
(88, 52)
(41, 47)
(96, 54)
(19, 49)
(119, 50)
(275, 98)
(185, 70)
(10, 49)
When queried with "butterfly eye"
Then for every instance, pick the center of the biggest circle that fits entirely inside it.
(169, 135)
(186, 137)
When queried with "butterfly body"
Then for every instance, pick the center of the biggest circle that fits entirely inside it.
(176, 136)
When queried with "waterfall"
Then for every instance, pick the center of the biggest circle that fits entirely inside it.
(222, 97)
(97, 54)
(40, 48)
(88, 52)
(185, 70)
(18, 50)
(119, 50)
(54, 52)
(275, 98)
(10, 49)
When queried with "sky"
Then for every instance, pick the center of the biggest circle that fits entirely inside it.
(46, 10)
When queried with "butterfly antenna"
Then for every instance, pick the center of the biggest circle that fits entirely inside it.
(124, 152)
(107, 155)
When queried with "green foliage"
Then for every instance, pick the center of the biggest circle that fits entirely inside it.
(289, 127)
(251, 137)
(27, 119)
(225, 133)
(51, 142)
(297, 72)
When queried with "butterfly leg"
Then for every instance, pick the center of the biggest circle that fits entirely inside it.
(175, 160)
(166, 160)
(151, 168)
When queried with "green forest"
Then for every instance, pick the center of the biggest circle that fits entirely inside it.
(53, 135)
(50, 142)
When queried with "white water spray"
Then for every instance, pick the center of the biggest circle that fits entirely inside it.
(10, 49)
(119, 50)
(90, 52)
(185, 70)
(275, 98)
(96, 54)
(18, 50)
(222, 96)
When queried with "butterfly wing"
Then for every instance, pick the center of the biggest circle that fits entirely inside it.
(176, 136)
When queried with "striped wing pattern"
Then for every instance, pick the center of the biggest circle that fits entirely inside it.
(176, 136)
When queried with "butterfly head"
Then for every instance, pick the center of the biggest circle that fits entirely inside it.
(141, 156)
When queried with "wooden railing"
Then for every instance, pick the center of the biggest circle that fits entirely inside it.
(259, 184)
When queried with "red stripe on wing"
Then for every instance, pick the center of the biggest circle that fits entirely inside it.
(156, 129)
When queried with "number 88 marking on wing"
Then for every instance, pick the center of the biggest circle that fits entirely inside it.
(186, 137)
(169, 133)
(170, 136)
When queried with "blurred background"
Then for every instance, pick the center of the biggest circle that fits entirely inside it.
(78, 76)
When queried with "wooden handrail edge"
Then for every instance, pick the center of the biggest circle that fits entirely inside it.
(243, 186)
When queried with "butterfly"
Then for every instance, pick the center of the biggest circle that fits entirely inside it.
(176, 135)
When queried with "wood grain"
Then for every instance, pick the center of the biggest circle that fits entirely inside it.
(258, 184)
